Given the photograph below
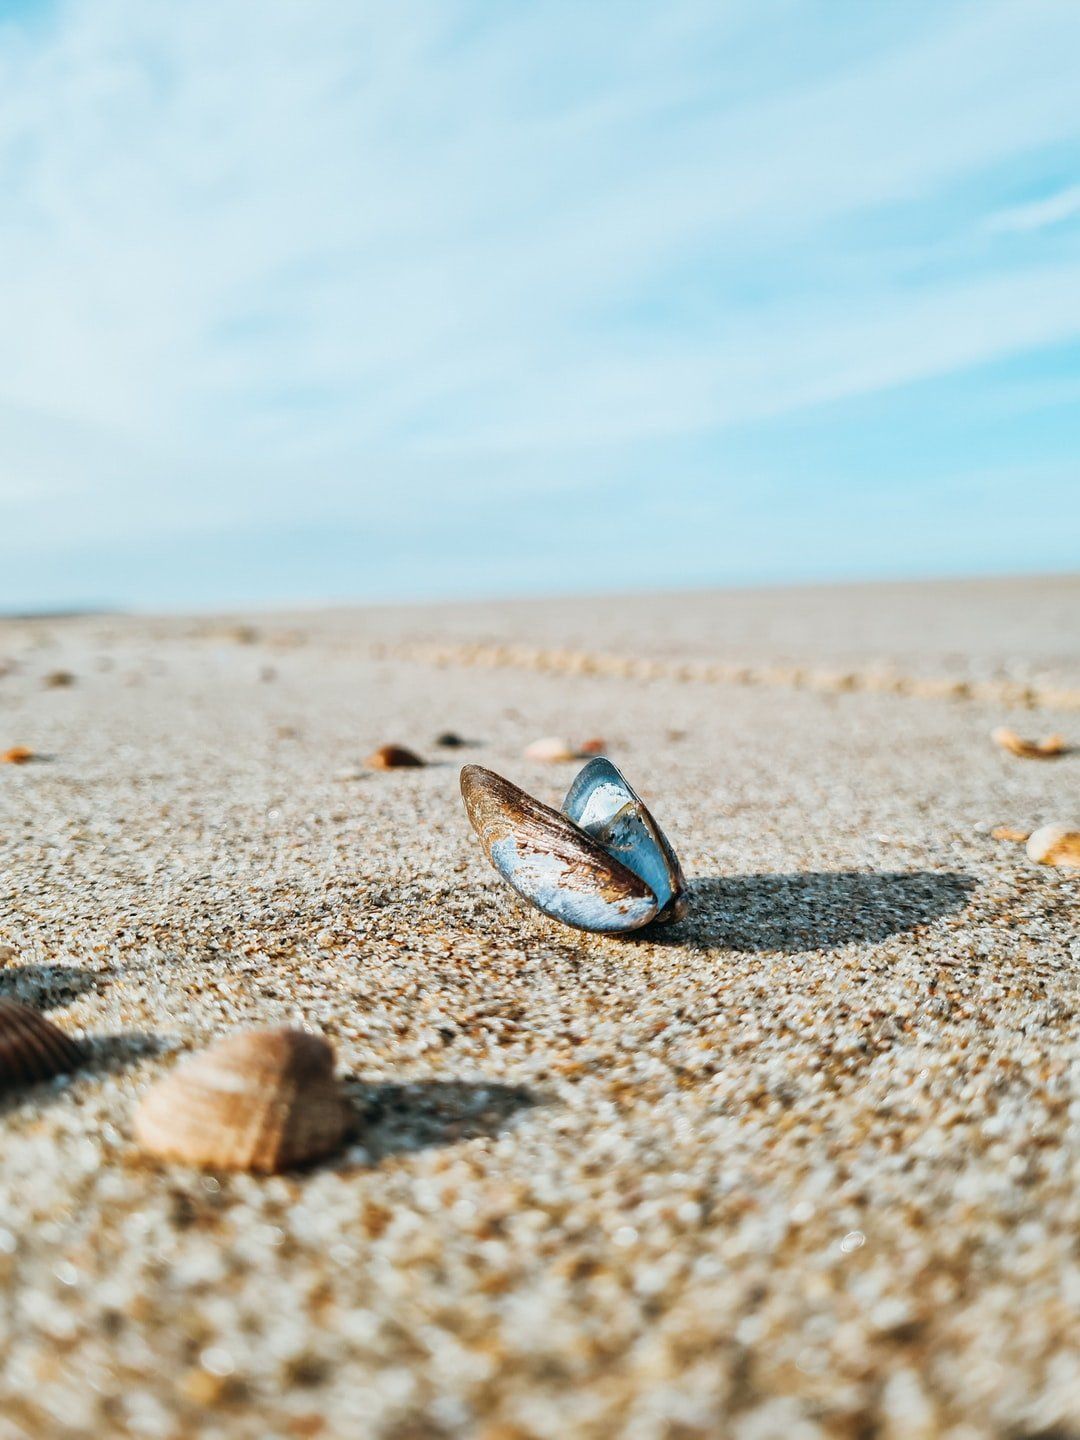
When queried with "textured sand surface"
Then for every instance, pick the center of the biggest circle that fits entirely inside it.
(807, 1164)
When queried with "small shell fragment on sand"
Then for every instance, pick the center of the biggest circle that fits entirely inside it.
(450, 740)
(58, 679)
(17, 755)
(1046, 749)
(1055, 845)
(32, 1048)
(1009, 832)
(393, 757)
(554, 748)
(551, 749)
(260, 1100)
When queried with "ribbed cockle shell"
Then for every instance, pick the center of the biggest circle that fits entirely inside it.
(602, 863)
(32, 1048)
(262, 1100)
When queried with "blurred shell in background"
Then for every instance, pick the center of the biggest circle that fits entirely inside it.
(1055, 845)
(393, 757)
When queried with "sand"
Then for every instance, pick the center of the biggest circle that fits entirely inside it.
(805, 1165)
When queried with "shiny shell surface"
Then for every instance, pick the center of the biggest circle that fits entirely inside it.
(261, 1100)
(601, 803)
(613, 877)
(32, 1048)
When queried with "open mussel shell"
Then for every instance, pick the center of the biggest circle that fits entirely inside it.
(603, 864)
(32, 1048)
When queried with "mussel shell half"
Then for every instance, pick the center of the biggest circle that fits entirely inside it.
(601, 803)
(550, 861)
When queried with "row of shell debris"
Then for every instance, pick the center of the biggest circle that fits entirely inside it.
(551, 749)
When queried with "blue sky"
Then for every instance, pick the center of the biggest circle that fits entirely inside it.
(336, 300)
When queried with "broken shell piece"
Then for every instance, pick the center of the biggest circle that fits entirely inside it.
(600, 864)
(551, 748)
(449, 740)
(393, 757)
(32, 1048)
(1009, 832)
(263, 1100)
(17, 755)
(1047, 749)
(1055, 845)
(58, 679)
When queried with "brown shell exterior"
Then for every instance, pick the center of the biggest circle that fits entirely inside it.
(262, 1100)
(393, 757)
(32, 1048)
(496, 807)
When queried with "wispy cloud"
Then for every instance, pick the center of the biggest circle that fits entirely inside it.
(1050, 210)
(275, 263)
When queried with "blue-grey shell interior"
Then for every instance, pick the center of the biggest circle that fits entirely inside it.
(601, 803)
(546, 882)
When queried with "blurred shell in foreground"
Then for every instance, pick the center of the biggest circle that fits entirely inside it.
(1055, 845)
(601, 864)
(263, 1100)
(32, 1048)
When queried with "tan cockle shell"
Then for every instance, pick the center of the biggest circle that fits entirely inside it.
(262, 1100)
(32, 1048)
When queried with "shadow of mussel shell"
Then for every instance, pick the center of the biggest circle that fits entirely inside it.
(601, 863)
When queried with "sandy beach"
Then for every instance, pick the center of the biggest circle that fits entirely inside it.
(806, 1164)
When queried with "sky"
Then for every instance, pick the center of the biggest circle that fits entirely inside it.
(325, 300)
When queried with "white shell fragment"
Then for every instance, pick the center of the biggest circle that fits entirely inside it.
(1055, 845)
(602, 864)
(551, 749)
